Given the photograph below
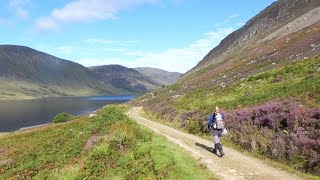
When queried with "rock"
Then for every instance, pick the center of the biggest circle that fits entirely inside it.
(176, 96)
(2, 150)
(7, 162)
(92, 115)
(91, 141)
(232, 171)
(318, 69)
(278, 78)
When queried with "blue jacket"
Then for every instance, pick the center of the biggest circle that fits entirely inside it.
(212, 119)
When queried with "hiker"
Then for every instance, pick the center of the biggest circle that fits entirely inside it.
(216, 126)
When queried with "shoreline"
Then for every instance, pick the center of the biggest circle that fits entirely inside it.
(27, 128)
(18, 98)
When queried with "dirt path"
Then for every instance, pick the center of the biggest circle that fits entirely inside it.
(233, 165)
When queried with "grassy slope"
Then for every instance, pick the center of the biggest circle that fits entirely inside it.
(125, 151)
(187, 105)
(299, 81)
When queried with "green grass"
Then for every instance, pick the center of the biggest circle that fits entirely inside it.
(125, 151)
(299, 81)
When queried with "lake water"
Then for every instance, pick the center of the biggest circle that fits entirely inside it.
(16, 114)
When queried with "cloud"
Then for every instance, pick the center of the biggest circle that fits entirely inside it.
(20, 8)
(86, 11)
(228, 20)
(5, 22)
(45, 23)
(234, 16)
(174, 59)
(65, 49)
(115, 46)
(111, 42)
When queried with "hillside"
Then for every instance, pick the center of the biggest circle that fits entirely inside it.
(266, 77)
(160, 76)
(125, 78)
(25, 72)
(286, 30)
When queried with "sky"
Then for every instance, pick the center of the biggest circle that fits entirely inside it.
(173, 35)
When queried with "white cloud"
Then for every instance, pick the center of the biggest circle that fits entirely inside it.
(5, 22)
(22, 13)
(65, 49)
(44, 24)
(234, 16)
(174, 59)
(111, 42)
(228, 20)
(20, 8)
(85, 11)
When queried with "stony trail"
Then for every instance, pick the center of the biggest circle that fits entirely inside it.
(234, 165)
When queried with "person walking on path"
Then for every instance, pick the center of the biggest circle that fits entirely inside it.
(216, 126)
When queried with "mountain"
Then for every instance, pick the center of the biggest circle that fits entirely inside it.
(286, 30)
(125, 78)
(25, 72)
(158, 75)
(266, 78)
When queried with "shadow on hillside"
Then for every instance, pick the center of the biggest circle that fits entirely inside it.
(210, 149)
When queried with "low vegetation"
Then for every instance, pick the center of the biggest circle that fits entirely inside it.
(62, 117)
(109, 145)
(274, 114)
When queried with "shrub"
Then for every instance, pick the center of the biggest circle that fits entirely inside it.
(194, 126)
(283, 131)
(61, 117)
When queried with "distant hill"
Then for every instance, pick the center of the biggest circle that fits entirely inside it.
(125, 78)
(158, 75)
(25, 72)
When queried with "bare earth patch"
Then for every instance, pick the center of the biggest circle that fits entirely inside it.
(91, 141)
(234, 165)
(7, 162)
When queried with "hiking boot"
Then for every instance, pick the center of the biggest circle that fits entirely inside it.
(219, 146)
(214, 150)
(221, 153)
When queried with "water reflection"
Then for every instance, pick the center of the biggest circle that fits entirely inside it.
(16, 114)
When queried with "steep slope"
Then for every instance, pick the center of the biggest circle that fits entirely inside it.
(25, 72)
(266, 76)
(158, 75)
(271, 35)
(124, 78)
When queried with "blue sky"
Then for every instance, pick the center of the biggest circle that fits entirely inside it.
(169, 34)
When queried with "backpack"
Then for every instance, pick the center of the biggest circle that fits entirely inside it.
(219, 122)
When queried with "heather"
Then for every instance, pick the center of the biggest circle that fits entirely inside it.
(107, 146)
(279, 110)
(282, 131)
